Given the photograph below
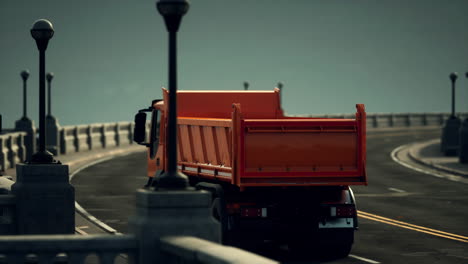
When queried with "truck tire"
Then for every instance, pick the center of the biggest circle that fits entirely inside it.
(219, 213)
(218, 206)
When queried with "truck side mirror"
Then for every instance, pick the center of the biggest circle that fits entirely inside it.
(139, 132)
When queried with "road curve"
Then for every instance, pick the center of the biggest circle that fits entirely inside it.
(405, 216)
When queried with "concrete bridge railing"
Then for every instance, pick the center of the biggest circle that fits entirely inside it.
(106, 248)
(72, 139)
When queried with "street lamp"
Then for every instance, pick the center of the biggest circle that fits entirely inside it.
(42, 31)
(450, 132)
(280, 86)
(453, 77)
(25, 75)
(246, 85)
(172, 11)
(49, 76)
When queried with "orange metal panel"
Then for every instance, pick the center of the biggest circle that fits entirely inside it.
(218, 104)
(285, 152)
(185, 143)
(223, 146)
(204, 121)
(197, 140)
(210, 145)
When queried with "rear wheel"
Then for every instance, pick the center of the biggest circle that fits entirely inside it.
(219, 213)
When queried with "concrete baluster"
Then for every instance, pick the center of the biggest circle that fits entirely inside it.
(4, 162)
(76, 139)
(89, 137)
(63, 142)
(117, 134)
(102, 133)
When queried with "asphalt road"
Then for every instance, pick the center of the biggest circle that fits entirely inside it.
(396, 193)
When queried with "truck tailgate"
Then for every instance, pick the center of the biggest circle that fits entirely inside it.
(302, 152)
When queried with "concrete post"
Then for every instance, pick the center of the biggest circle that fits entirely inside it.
(463, 151)
(53, 135)
(45, 200)
(171, 212)
(27, 125)
(449, 144)
(450, 132)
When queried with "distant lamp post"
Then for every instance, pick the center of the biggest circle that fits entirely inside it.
(172, 11)
(453, 77)
(246, 86)
(450, 132)
(463, 152)
(25, 75)
(42, 31)
(49, 76)
(280, 87)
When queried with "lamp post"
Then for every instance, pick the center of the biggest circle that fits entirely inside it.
(25, 75)
(42, 31)
(49, 76)
(453, 77)
(172, 12)
(280, 87)
(246, 86)
(450, 132)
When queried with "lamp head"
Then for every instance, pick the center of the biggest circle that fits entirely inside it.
(172, 11)
(453, 76)
(42, 31)
(49, 76)
(24, 74)
(246, 85)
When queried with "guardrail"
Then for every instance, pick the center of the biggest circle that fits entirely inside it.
(78, 138)
(185, 250)
(72, 249)
(12, 149)
(76, 249)
(95, 136)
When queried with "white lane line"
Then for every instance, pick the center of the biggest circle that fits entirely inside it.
(363, 259)
(85, 213)
(432, 172)
(396, 190)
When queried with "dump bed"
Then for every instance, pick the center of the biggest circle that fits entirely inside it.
(244, 138)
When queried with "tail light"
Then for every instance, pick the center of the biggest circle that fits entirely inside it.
(343, 211)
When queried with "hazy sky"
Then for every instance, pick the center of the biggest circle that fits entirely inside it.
(110, 57)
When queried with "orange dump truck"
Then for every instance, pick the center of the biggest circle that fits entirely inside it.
(272, 177)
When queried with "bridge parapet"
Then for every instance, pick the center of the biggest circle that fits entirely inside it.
(12, 149)
(89, 137)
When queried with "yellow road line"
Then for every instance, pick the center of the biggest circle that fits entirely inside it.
(415, 226)
(412, 227)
